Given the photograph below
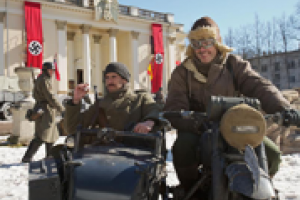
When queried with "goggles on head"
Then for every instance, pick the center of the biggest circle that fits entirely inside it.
(205, 43)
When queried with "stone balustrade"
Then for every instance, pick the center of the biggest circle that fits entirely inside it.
(125, 10)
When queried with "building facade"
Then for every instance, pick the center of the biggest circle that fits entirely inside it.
(282, 69)
(85, 40)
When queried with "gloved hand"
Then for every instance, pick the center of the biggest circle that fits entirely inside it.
(291, 117)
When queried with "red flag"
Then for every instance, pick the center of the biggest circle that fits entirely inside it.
(34, 30)
(157, 68)
(57, 74)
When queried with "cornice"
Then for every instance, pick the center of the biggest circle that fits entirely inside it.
(60, 6)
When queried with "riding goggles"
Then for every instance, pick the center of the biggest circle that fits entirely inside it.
(203, 43)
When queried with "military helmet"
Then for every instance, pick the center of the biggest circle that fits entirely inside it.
(48, 65)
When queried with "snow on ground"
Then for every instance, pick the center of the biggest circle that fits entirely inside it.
(14, 175)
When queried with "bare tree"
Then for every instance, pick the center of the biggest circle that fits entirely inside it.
(284, 26)
(258, 38)
(271, 42)
(295, 23)
(229, 38)
(243, 42)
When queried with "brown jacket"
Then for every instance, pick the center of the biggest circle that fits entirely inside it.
(220, 83)
(121, 108)
(45, 126)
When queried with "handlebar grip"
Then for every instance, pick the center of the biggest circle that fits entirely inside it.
(291, 117)
(183, 114)
(170, 114)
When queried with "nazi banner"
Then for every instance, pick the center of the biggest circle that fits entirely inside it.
(34, 34)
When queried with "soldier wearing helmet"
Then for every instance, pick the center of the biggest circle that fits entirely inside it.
(45, 126)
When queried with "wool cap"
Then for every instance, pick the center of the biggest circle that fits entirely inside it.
(205, 28)
(48, 65)
(118, 68)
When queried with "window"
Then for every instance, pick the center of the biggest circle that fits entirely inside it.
(277, 85)
(254, 67)
(264, 68)
(292, 79)
(79, 76)
(277, 77)
(277, 66)
(291, 65)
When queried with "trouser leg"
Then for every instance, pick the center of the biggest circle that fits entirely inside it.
(32, 149)
(48, 147)
(186, 159)
(273, 156)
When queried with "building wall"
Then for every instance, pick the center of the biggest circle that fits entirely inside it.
(273, 67)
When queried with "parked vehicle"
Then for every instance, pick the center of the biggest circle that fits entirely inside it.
(110, 168)
(10, 95)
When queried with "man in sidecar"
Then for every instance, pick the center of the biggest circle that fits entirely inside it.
(210, 69)
(124, 108)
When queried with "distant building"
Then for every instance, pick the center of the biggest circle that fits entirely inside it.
(274, 67)
(88, 34)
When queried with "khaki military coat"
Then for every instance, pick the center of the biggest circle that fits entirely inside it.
(45, 126)
(121, 108)
(220, 82)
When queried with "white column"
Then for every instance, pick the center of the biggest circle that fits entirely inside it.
(71, 69)
(98, 71)
(62, 61)
(181, 48)
(86, 52)
(2, 63)
(135, 59)
(172, 55)
(71, 66)
(112, 45)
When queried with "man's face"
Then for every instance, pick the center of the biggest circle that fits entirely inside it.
(205, 50)
(114, 82)
(50, 72)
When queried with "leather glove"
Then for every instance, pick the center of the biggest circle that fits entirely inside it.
(291, 117)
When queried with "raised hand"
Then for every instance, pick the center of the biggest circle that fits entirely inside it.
(79, 92)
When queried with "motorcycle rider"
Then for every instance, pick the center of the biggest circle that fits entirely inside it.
(122, 106)
(45, 126)
(205, 73)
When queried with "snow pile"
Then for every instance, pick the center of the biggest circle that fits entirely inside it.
(14, 175)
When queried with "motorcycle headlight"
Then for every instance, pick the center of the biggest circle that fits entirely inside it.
(243, 125)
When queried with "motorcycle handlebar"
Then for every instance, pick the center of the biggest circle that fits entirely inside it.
(183, 114)
(289, 117)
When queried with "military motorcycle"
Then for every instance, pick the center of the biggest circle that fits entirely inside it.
(111, 168)
(232, 153)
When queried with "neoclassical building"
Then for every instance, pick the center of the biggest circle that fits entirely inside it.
(86, 39)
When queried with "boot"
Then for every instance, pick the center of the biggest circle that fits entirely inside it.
(48, 147)
(32, 149)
